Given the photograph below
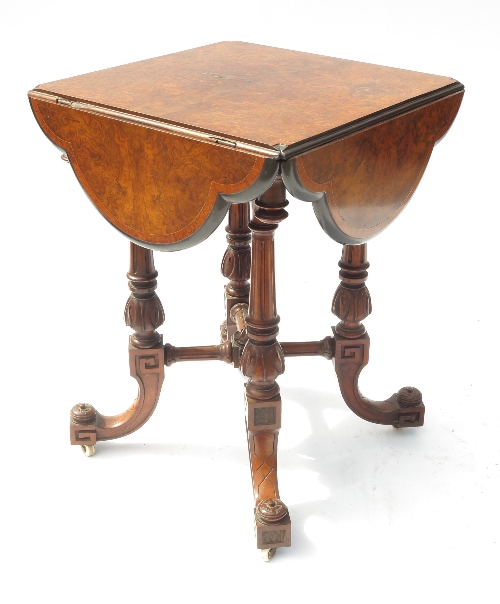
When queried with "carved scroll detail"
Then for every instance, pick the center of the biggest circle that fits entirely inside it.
(143, 313)
(351, 304)
(147, 367)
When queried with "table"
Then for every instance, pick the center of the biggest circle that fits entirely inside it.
(165, 148)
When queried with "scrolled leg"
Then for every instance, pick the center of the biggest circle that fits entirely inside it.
(352, 304)
(144, 313)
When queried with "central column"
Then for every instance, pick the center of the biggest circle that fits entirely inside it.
(262, 362)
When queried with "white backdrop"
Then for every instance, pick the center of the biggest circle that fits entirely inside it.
(377, 513)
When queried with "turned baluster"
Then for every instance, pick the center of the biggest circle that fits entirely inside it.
(143, 311)
(236, 264)
(352, 302)
(262, 362)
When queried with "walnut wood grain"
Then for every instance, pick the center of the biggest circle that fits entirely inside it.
(363, 181)
(250, 92)
(155, 187)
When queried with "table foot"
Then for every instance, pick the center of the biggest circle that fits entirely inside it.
(88, 450)
(352, 304)
(404, 409)
(268, 554)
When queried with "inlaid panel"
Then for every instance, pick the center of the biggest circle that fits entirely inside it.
(366, 179)
(154, 186)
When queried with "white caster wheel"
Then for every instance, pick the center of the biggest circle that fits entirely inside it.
(267, 554)
(89, 450)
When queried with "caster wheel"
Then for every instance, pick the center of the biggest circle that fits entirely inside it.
(396, 427)
(89, 450)
(267, 554)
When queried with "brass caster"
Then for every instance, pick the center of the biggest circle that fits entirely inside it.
(267, 554)
(89, 450)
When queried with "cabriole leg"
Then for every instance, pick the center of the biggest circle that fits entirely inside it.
(144, 313)
(352, 304)
(262, 362)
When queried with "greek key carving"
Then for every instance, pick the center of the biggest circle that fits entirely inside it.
(262, 363)
(145, 362)
(351, 352)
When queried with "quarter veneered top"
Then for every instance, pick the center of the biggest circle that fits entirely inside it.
(249, 92)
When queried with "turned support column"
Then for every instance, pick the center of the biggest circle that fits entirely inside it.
(236, 264)
(262, 362)
(143, 313)
(352, 304)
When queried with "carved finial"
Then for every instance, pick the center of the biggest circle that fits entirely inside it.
(271, 511)
(83, 413)
(409, 397)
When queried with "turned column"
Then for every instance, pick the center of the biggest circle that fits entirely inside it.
(352, 302)
(262, 362)
(143, 311)
(236, 264)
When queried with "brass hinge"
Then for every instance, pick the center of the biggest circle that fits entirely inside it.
(61, 101)
(223, 141)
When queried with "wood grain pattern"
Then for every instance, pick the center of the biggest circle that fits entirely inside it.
(153, 186)
(369, 177)
(250, 92)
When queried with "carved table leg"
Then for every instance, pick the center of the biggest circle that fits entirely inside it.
(352, 304)
(262, 362)
(144, 313)
(236, 264)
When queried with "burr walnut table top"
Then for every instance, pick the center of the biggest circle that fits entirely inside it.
(258, 94)
(162, 147)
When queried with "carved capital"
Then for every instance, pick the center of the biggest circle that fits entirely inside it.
(143, 311)
(352, 304)
(144, 314)
(261, 363)
(236, 263)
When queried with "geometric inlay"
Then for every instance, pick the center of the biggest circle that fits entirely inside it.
(264, 416)
(264, 470)
(270, 537)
